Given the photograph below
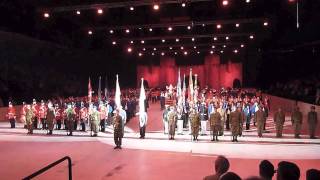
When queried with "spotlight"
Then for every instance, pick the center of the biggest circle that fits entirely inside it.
(150, 29)
(213, 47)
(183, 4)
(265, 23)
(194, 47)
(225, 2)
(114, 42)
(129, 50)
(251, 37)
(78, 12)
(111, 31)
(227, 38)
(198, 52)
(189, 27)
(242, 45)
(169, 28)
(203, 25)
(237, 25)
(185, 53)
(142, 42)
(221, 52)
(163, 40)
(247, 1)
(131, 42)
(235, 51)
(224, 46)
(152, 54)
(181, 47)
(211, 52)
(215, 38)
(162, 54)
(46, 15)
(131, 8)
(177, 40)
(219, 26)
(140, 54)
(144, 49)
(100, 11)
(154, 49)
(127, 31)
(192, 39)
(90, 32)
(156, 7)
(170, 48)
(175, 53)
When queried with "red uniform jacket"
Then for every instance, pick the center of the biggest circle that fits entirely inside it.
(11, 114)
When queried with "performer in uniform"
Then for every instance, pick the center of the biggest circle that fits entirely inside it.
(11, 115)
(215, 124)
(279, 118)
(83, 116)
(35, 113)
(143, 119)
(180, 120)
(312, 122)
(235, 122)
(29, 119)
(42, 114)
(103, 115)
(94, 121)
(117, 129)
(260, 118)
(172, 118)
(165, 119)
(222, 111)
(203, 117)
(59, 112)
(296, 119)
(71, 115)
(23, 114)
(51, 114)
(195, 123)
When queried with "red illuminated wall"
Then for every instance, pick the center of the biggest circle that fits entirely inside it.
(211, 73)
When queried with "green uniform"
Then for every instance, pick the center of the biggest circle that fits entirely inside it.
(172, 118)
(215, 124)
(296, 119)
(195, 125)
(117, 130)
(236, 122)
(50, 119)
(279, 118)
(223, 119)
(71, 116)
(29, 120)
(312, 122)
(94, 122)
(260, 119)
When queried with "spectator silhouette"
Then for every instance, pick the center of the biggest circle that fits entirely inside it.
(266, 170)
(221, 166)
(288, 171)
(230, 176)
(313, 174)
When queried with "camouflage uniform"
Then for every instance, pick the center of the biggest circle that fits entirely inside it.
(235, 121)
(195, 125)
(50, 119)
(71, 115)
(296, 119)
(312, 122)
(172, 118)
(279, 118)
(29, 120)
(117, 130)
(260, 118)
(215, 124)
(94, 122)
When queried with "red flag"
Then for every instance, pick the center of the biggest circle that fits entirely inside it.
(89, 91)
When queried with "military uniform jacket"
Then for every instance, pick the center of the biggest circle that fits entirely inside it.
(296, 117)
(29, 116)
(279, 117)
(117, 125)
(312, 117)
(194, 119)
(260, 117)
(215, 119)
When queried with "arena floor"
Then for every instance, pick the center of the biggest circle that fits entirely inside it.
(152, 158)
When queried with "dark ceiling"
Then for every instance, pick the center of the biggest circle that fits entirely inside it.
(194, 27)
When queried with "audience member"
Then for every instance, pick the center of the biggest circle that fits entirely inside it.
(221, 166)
(313, 174)
(288, 171)
(266, 170)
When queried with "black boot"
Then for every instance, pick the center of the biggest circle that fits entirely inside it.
(217, 138)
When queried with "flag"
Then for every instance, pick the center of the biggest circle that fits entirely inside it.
(184, 89)
(142, 98)
(99, 90)
(195, 92)
(89, 91)
(118, 94)
(106, 95)
(190, 95)
(179, 85)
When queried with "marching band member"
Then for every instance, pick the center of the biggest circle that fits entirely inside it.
(11, 115)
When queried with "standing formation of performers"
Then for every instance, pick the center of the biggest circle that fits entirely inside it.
(225, 110)
(231, 110)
